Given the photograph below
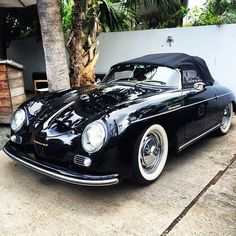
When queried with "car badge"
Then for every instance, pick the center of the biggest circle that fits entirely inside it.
(40, 143)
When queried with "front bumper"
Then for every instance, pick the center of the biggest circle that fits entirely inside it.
(59, 173)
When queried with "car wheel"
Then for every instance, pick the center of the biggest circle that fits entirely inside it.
(227, 119)
(150, 155)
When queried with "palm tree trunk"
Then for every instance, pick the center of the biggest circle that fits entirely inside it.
(84, 43)
(76, 43)
(53, 44)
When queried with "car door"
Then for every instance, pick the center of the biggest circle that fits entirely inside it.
(200, 107)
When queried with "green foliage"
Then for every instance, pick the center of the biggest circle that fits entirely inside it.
(114, 16)
(66, 15)
(102, 16)
(229, 15)
(111, 14)
(118, 15)
(157, 13)
(174, 19)
(22, 23)
(216, 12)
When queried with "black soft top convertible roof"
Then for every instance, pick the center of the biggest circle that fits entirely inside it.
(174, 61)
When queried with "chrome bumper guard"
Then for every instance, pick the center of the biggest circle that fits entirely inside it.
(60, 174)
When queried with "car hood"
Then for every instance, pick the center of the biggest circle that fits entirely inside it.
(74, 107)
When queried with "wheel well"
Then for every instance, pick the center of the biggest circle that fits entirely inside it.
(234, 106)
(171, 133)
(136, 130)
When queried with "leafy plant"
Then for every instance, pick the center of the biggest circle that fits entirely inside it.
(156, 14)
(66, 15)
(215, 12)
(22, 23)
(174, 19)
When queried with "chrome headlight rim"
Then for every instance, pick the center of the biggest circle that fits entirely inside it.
(84, 139)
(19, 114)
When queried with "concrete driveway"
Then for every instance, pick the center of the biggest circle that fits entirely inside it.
(196, 195)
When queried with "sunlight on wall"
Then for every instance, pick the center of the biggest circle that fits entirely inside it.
(196, 3)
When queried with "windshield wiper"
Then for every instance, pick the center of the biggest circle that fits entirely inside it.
(117, 80)
(152, 81)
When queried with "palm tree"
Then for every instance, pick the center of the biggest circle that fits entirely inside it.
(154, 13)
(91, 17)
(53, 44)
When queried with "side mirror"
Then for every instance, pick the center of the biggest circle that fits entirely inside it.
(200, 86)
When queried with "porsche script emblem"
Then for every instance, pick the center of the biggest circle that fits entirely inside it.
(39, 143)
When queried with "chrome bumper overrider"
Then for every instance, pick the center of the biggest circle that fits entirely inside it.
(63, 175)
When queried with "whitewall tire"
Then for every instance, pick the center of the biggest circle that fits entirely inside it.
(150, 154)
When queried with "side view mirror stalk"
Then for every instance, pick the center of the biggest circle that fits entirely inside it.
(98, 81)
(200, 86)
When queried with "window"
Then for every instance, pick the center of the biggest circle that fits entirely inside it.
(145, 74)
(190, 77)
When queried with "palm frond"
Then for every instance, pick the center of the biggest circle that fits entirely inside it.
(114, 16)
(162, 8)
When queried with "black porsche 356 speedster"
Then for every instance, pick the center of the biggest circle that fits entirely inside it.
(122, 127)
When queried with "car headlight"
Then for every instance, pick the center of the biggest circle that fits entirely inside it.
(93, 137)
(18, 120)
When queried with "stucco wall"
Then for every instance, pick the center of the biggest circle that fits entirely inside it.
(216, 44)
(29, 53)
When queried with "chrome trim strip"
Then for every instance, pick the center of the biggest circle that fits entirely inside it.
(222, 95)
(200, 102)
(198, 137)
(181, 107)
(163, 113)
(174, 107)
(45, 125)
(61, 177)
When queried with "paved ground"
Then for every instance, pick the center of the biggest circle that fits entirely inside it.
(196, 195)
(4, 131)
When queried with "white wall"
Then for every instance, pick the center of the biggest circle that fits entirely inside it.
(29, 53)
(216, 44)
(194, 3)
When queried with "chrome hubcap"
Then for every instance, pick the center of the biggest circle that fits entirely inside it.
(226, 116)
(151, 152)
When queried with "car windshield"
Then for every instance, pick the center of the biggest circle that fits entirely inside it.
(144, 74)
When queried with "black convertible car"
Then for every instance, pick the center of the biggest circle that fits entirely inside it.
(123, 126)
